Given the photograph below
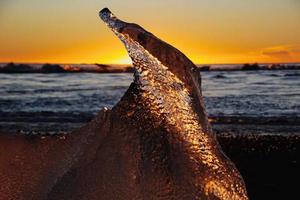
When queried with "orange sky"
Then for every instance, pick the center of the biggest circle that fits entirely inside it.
(207, 31)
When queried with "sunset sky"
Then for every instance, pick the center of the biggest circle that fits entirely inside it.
(207, 31)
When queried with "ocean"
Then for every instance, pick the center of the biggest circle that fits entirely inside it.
(44, 99)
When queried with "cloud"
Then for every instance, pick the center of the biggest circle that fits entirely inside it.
(281, 53)
(289, 48)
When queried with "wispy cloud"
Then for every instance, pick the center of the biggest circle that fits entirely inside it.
(276, 53)
(289, 47)
(284, 52)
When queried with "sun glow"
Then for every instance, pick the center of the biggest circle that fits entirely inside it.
(123, 60)
(232, 31)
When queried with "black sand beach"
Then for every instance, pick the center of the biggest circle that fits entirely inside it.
(265, 154)
(268, 164)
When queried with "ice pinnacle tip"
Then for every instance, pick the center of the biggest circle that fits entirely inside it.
(104, 10)
(105, 14)
(111, 20)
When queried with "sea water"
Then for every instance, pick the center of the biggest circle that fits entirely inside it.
(78, 96)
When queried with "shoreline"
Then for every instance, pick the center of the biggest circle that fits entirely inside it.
(65, 122)
(12, 68)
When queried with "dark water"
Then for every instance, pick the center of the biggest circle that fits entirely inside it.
(42, 101)
(235, 93)
(83, 92)
(253, 93)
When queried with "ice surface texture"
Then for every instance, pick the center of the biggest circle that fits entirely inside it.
(155, 143)
(169, 105)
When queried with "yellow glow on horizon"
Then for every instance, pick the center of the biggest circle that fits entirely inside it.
(123, 60)
(227, 31)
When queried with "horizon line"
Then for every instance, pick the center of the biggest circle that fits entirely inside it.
(95, 63)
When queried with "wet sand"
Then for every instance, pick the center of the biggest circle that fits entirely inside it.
(268, 163)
